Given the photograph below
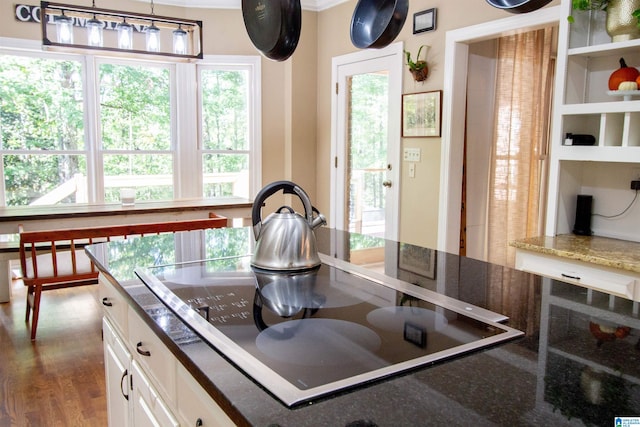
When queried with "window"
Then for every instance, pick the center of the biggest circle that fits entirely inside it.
(44, 158)
(226, 133)
(135, 129)
(76, 129)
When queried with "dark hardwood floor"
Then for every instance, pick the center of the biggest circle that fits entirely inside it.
(58, 380)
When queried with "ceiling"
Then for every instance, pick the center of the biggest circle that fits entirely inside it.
(314, 5)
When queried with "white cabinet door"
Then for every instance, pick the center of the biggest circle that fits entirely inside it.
(155, 358)
(116, 366)
(148, 408)
(195, 407)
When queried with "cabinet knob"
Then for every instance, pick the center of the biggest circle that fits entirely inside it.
(106, 303)
(199, 422)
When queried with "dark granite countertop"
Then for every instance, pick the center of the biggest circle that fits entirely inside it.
(545, 378)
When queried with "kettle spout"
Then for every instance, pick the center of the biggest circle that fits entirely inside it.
(318, 221)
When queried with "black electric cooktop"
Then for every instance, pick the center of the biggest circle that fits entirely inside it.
(310, 334)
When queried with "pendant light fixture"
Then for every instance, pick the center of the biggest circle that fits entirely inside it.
(153, 35)
(148, 31)
(64, 25)
(94, 30)
(125, 35)
(153, 38)
(180, 41)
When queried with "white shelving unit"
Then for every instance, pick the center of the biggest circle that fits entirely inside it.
(585, 105)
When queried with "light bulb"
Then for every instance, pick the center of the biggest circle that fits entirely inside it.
(125, 35)
(153, 38)
(94, 32)
(64, 25)
(180, 41)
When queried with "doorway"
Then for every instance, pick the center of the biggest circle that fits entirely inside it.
(454, 105)
(366, 141)
(508, 127)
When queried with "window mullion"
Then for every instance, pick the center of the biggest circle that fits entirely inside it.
(188, 159)
(95, 182)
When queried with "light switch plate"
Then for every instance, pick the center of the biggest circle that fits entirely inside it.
(411, 154)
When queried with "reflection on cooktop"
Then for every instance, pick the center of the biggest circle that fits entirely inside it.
(176, 329)
(320, 342)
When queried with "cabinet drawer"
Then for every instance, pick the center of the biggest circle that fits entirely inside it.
(195, 407)
(113, 304)
(577, 273)
(153, 356)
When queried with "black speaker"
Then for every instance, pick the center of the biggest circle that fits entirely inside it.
(582, 226)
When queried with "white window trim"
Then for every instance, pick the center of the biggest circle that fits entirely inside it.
(253, 64)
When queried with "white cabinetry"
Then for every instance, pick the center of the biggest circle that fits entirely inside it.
(117, 361)
(146, 384)
(584, 105)
(153, 356)
(148, 408)
(609, 280)
(195, 407)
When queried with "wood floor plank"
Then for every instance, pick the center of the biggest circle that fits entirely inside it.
(58, 380)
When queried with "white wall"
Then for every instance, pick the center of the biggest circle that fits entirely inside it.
(480, 105)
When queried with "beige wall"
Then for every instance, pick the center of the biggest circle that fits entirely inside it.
(419, 195)
(296, 95)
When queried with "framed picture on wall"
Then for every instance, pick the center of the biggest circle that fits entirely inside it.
(421, 114)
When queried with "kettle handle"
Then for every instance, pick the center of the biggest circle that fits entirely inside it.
(288, 187)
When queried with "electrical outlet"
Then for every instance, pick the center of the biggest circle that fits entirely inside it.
(635, 185)
(635, 174)
(411, 155)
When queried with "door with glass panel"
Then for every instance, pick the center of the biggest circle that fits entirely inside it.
(366, 141)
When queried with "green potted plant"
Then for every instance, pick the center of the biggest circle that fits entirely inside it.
(419, 68)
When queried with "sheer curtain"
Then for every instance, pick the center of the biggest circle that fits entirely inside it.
(524, 84)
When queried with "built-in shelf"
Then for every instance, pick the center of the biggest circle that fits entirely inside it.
(604, 49)
(586, 106)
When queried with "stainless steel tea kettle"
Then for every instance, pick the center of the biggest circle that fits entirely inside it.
(285, 240)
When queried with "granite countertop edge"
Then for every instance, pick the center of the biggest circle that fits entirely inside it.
(601, 251)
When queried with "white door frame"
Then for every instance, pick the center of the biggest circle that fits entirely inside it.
(336, 211)
(454, 106)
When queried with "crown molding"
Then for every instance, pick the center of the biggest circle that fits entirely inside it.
(313, 5)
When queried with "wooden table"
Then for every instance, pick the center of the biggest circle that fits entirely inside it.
(237, 210)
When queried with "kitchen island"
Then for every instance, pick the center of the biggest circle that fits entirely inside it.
(569, 349)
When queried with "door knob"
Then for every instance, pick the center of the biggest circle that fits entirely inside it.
(386, 183)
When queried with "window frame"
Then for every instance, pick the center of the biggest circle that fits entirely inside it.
(98, 153)
(186, 145)
(252, 65)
